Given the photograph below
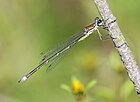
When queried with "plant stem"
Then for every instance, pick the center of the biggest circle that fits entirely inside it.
(120, 43)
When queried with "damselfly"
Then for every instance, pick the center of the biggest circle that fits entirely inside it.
(57, 53)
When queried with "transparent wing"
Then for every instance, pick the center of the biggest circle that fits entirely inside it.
(73, 39)
(56, 60)
(43, 55)
(54, 54)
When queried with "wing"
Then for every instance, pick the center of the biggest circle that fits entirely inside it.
(72, 40)
(56, 53)
(61, 55)
(55, 61)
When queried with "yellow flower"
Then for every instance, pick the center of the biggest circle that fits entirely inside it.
(77, 88)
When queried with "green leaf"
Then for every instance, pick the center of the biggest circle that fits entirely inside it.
(105, 93)
(126, 89)
(66, 87)
(90, 85)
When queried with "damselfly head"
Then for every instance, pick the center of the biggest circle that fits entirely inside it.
(98, 21)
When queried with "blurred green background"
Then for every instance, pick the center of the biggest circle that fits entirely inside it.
(28, 27)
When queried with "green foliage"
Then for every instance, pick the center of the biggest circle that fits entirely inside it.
(90, 85)
(66, 87)
(105, 93)
(126, 89)
(28, 27)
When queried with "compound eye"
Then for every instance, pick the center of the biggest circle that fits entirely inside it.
(99, 22)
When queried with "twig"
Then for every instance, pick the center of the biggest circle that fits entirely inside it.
(120, 43)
